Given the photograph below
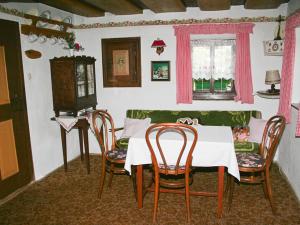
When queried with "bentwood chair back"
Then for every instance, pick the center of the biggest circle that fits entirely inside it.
(255, 167)
(161, 166)
(113, 158)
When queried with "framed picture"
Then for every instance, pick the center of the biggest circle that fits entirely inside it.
(121, 62)
(160, 70)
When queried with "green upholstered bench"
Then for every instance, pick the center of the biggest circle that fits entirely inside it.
(211, 118)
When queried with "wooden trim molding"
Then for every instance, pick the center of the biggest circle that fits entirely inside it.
(176, 22)
(18, 13)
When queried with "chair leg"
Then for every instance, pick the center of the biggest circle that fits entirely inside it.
(230, 180)
(269, 190)
(265, 188)
(111, 174)
(156, 195)
(187, 198)
(102, 176)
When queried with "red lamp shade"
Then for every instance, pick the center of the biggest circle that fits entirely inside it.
(159, 45)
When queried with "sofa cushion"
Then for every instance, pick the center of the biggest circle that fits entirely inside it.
(238, 146)
(212, 118)
(246, 146)
(132, 126)
(188, 121)
(256, 127)
(122, 143)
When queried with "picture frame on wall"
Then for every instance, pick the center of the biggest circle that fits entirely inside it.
(121, 62)
(160, 70)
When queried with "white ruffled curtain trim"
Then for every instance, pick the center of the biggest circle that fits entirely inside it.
(213, 59)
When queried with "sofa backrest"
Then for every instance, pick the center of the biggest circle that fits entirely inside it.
(213, 117)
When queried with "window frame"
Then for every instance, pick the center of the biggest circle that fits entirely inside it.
(212, 94)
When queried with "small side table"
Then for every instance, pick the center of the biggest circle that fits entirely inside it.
(82, 125)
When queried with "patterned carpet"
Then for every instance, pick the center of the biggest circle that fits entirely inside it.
(71, 199)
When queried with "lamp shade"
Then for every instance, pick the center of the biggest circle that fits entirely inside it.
(158, 43)
(272, 77)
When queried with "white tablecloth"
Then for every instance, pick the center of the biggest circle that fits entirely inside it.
(215, 147)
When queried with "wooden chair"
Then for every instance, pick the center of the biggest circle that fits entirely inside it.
(113, 158)
(255, 167)
(161, 165)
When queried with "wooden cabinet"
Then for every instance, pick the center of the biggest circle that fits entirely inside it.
(73, 84)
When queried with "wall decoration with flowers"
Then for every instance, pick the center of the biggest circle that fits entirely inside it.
(73, 46)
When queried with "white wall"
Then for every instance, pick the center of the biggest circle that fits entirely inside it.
(162, 95)
(45, 136)
(289, 154)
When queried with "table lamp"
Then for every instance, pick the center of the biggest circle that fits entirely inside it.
(272, 77)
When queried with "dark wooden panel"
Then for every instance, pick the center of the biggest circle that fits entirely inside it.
(159, 6)
(214, 5)
(92, 8)
(75, 6)
(262, 4)
(16, 109)
(118, 7)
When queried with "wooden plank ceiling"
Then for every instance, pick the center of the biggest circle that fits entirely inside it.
(96, 8)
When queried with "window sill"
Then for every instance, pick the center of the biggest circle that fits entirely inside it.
(213, 96)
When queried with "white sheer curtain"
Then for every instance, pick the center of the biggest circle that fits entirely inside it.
(213, 59)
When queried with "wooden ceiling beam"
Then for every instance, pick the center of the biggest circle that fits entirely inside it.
(159, 6)
(117, 7)
(214, 5)
(75, 6)
(262, 4)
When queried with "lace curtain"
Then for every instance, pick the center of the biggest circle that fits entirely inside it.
(213, 59)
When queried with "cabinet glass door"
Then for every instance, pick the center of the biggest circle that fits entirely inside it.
(90, 79)
(81, 80)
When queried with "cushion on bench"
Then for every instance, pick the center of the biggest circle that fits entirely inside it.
(212, 118)
(238, 146)
(246, 146)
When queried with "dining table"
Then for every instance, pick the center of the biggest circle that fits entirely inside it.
(214, 148)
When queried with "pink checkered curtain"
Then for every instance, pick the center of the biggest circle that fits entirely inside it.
(184, 86)
(287, 73)
(243, 77)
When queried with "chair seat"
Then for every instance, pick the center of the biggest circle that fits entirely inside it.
(117, 154)
(249, 159)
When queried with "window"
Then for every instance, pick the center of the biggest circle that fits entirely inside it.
(213, 69)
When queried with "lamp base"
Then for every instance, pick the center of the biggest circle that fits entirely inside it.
(273, 91)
